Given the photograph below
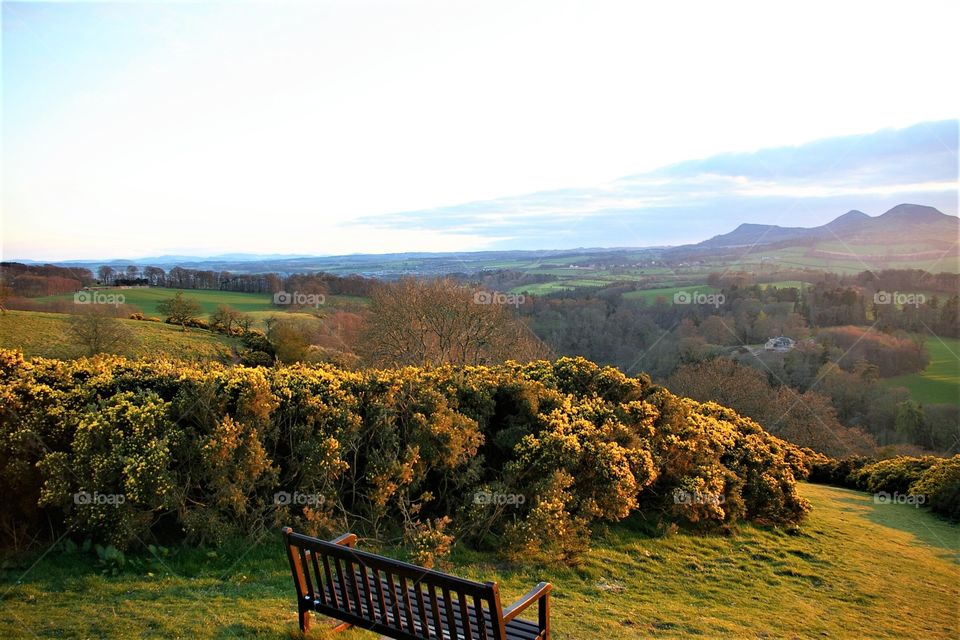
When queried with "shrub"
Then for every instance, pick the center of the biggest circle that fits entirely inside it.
(836, 471)
(941, 485)
(206, 452)
(894, 475)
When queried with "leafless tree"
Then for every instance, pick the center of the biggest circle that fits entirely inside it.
(434, 322)
(95, 330)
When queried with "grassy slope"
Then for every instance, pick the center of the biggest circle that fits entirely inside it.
(146, 299)
(45, 334)
(940, 381)
(856, 570)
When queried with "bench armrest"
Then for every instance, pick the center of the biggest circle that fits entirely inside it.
(347, 540)
(539, 591)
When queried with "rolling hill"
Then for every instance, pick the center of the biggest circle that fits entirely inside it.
(908, 236)
(905, 223)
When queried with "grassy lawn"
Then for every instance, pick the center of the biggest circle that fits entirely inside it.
(939, 383)
(38, 333)
(856, 569)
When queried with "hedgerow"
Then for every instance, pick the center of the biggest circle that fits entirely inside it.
(535, 454)
(940, 484)
(937, 480)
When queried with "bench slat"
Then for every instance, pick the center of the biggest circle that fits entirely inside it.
(407, 608)
(352, 579)
(465, 615)
(380, 598)
(333, 592)
(367, 591)
(422, 610)
(481, 617)
(435, 606)
(451, 619)
(319, 577)
(395, 607)
(305, 572)
(343, 587)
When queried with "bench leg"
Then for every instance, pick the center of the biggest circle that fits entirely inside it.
(304, 620)
(543, 611)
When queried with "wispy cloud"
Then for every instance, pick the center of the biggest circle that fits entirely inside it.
(806, 185)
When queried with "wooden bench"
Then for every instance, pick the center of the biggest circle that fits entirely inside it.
(402, 600)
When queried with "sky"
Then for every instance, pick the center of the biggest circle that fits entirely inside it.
(135, 129)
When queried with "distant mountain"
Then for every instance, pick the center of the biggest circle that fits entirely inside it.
(903, 224)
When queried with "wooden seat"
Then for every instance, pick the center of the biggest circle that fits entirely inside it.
(401, 600)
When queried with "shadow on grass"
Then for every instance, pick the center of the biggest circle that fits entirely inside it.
(925, 526)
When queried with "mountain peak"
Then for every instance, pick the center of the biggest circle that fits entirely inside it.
(851, 218)
(913, 213)
(853, 214)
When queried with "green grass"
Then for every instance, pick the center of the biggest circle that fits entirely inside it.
(651, 295)
(541, 288)
(939, 383)
(38, 333)
(855, 569)
(147, 299)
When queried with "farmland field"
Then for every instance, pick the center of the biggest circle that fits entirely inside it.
(146, 299)
(650, 295)
(43, 334)
(939, 383)
(850, 572)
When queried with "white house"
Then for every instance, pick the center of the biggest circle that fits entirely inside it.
(780, 343)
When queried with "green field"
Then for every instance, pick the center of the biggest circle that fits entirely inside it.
(856, 569)
(46, 335)
(939, 383)
(541, 288)
(667, 293)
(147, 299)
(790, 257)
(786, 284)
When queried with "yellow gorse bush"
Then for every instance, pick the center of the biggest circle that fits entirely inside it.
(535, 453)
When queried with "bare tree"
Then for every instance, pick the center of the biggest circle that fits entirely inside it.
(433, 322)
(179, 310)
(226, 318)
(5, 294)
(105, 274)
(95, 330)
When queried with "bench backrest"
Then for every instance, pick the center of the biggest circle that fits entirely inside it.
(374, 592)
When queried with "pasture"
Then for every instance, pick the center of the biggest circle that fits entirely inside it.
(650, 295)
(146, 299)
(46, 335)
(939, 383)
